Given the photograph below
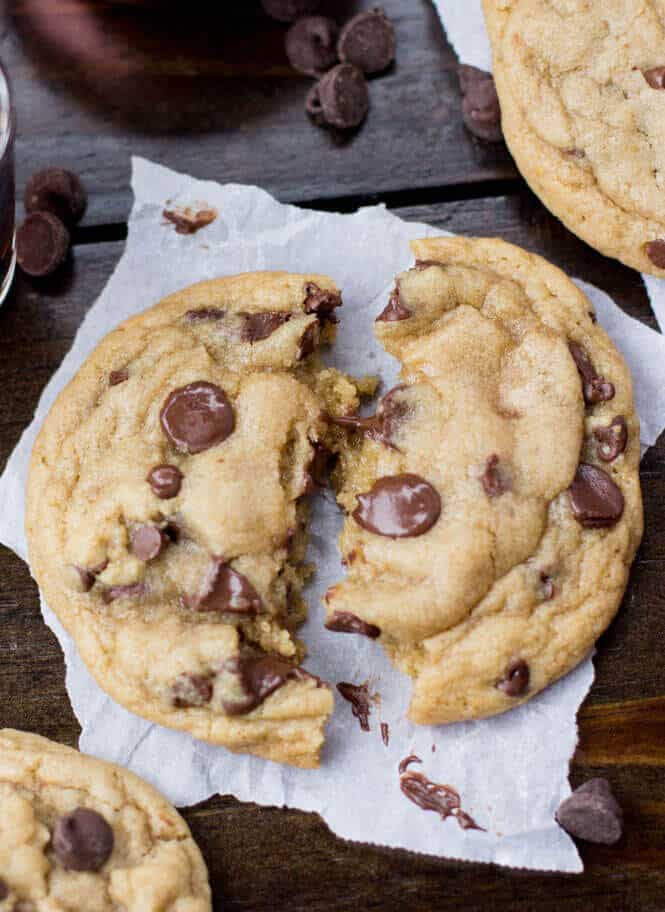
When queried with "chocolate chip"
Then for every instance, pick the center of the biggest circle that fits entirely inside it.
(321, 302)
(592, 813)
(656, 252)
(359, 697)
(148, 542)
(612, 440)
(188, 220)
(87, 579)
(197, 416)
(308, 341)
(118, 377)
(345, 622)
(655, 77)
(480, 103)
(494, 480)
(226, 591)
(258, 326)
(314, 107)
(165, 481)
(56, 191)
(341, 98)
(82, 840)
(547, 588)
(318, 469)
(246, 681)
(515, 681)
(398, 506)
(595, 499)
(203, 314)
(311, 45)
(368, 42)
(4, 890)
(288, 10)
(394, 310)
(594, 387)
(191, 690)
(132, 590)
(42, 242)
(390, 414)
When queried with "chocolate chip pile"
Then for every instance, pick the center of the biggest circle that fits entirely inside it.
(339, 59)
(55, 201)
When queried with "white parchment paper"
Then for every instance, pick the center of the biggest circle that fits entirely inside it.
(512, 771)
(465, 27)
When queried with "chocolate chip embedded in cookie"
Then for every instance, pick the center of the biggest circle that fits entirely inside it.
(489, 545)
(84, 832)
(179, 492)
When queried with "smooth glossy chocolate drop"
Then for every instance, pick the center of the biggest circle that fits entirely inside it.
(398, 506)
(321, 302)
(197, 416)
(515, 682)
(595, 499)
(148, 542)
(226, 591)
(258, 326)
(246, 681)
(612, 440)
(82, 840)
(165, 481)
(345, 622)
(594, 387)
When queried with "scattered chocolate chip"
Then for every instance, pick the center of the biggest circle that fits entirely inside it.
(444, 800)
(656, 252)
(118, 377)
(205, 314)
(308, 341)
(4, 890)
(340, 98)
(398, 506)
(197, 416)
(321, 302)
(494, 480)
(246, 681)
(288, 10)
(368, 42)
(480, 103)
(592, 813)
(394, 310)
(595, 499)
(165, 481)
(311, 45)
(258, 326)
(148, 542)
(188, 220)
(42, 242)
(82, 840)
(319, 469)
(359, 698)
(612, 440)
(133, 590)
(515, 681)
(56, 191)
(547, 587)
(191, 690)
(594, 387)
(385, 733)
(390, 414)
(655, 77)
(345, 622)
(226, 591)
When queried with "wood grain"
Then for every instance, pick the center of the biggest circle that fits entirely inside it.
(264, 859)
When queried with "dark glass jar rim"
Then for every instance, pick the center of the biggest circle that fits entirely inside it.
(6, 98)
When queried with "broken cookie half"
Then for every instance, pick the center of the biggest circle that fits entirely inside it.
(166, 516)
(493, 501)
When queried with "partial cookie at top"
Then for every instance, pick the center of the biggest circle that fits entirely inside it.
(166, 517)
(493, 503)
(78, 833)
(583, 111)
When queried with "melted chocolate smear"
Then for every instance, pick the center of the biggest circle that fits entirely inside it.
(226, 591)
(191, 690)
(321, 302)
(385, 733)
(612, 440)
(655, 77)
(398, 506)
(594, 387)
(359, 697)
(431, 796)
(493, 479)
(118, 377)
(381, 427)
(595, 499)
(188, 220)
(319, 468)
(258, 326)
(345, 622)
(308, 341)
(655, 250)
(197, 416)
(256, 678)
(205, 314)
(547, 588)
(394, 310)
(515, 681)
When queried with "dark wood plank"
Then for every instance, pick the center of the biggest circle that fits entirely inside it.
(210, 92)
(264, 859)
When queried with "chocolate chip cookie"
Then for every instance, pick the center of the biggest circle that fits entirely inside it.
(493, 501)
(583, 105)
(166, 517)
(78, 833)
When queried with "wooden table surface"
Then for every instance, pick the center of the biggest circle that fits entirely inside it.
(211, 93)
